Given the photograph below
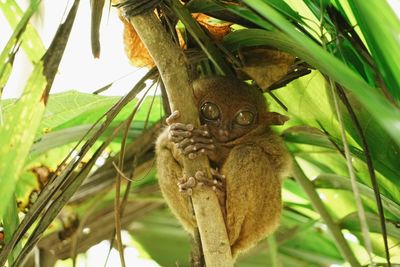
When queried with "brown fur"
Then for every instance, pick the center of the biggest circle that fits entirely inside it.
(253, 160)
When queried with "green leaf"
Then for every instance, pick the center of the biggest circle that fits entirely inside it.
(351, 222)
(378, 22)
(18, 132)
(10, 222)
(64, 107)
(340, 182)
(285, 9)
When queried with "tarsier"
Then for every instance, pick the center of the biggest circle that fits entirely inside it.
(248, 160)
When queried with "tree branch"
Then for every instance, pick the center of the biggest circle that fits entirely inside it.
(173, 69)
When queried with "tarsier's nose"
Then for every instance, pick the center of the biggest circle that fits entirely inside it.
(224, 133)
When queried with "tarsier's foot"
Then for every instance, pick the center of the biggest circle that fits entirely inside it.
(186, 185)
(189, 140)
(221, 190)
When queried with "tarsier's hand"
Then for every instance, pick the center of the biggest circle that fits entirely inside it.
(189, 140)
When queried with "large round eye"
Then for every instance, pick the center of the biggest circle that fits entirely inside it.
(210, 111)
(244, 118)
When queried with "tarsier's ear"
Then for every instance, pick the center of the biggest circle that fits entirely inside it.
(274, 118)
(200, 86)
(196, 90)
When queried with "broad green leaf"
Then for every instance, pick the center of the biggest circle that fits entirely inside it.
(70, 135)
(72, 109)
(292, 193)
(351, 223)
(68, 116)
(339, 182)
(64, 107)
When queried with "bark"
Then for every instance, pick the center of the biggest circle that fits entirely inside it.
(173, 68)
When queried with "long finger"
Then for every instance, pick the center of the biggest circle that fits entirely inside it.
(197, 148)
(181, 126)
(173, 117)
(201, 132)
(183, 134)
(193, 141)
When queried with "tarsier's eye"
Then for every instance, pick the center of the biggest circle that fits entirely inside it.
(244, 118)
(210, 111)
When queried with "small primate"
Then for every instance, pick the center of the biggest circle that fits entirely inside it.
(248, 160)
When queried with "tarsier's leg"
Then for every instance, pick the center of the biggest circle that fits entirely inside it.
(169, 175)
(253, 200)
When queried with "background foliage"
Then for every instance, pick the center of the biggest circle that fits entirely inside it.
(58, 151)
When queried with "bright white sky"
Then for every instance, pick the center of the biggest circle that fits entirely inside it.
(78, 70)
